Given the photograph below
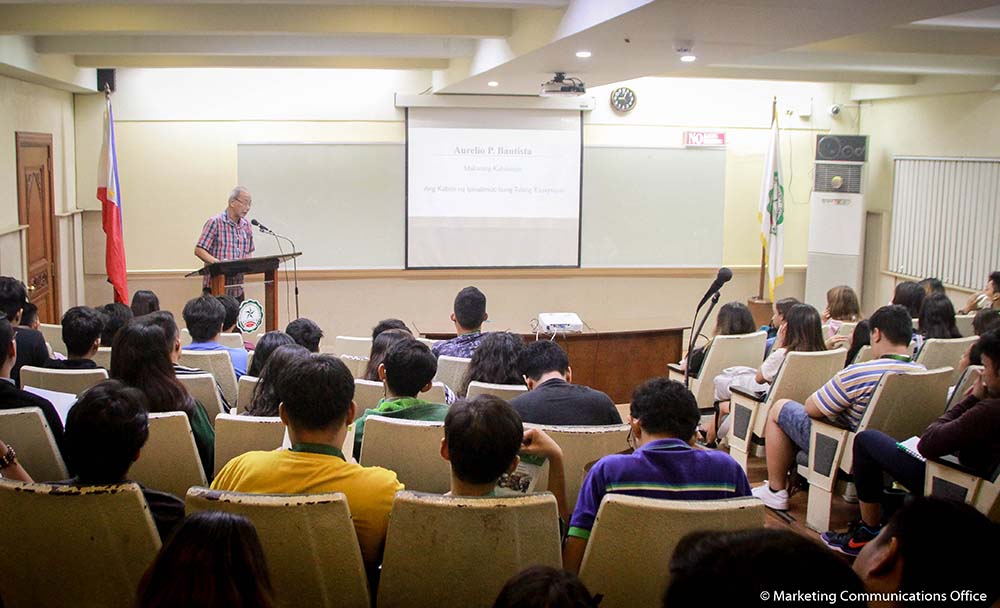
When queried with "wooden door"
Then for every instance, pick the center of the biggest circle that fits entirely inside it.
(36, 209)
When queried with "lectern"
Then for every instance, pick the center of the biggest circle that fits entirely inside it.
(266, 265)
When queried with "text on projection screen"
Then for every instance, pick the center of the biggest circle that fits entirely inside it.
(493, 188)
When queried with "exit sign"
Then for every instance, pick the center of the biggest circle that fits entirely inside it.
(704, 139)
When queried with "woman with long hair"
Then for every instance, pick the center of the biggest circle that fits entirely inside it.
(801, 331)
(267, 344)
(144, 302)
(265, 398)
(734, 319)
(213, 559)
(910, 296)
(495, 361)
(380, 346)
(140, 358)
(937, 318)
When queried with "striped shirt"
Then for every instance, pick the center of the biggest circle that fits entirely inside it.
(665, 468)
(226, 240)
(844, 398)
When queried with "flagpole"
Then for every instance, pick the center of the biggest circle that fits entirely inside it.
(763, 250)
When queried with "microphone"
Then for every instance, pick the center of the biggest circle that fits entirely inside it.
(264, 228)
(722, 278)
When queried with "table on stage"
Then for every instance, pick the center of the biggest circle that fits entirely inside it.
(610, 356)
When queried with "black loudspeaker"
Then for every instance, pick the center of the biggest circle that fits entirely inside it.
(106, 76)
(853, 148)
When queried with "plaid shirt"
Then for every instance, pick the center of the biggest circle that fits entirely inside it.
(226, 240)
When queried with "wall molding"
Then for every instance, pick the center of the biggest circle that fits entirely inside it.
(12, 229)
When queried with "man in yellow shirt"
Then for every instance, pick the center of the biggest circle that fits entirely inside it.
(317, 406)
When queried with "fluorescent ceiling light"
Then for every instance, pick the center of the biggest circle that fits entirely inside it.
(583, 54)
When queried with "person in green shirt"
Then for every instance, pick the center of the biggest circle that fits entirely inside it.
(407, 371)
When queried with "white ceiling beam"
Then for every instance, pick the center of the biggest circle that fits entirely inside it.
(795, 75)
(261, 61)
(903, 63)
(923, 41)
(926, 85)
(19, 60)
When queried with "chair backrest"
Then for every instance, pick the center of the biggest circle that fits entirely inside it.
(185, 337)
(864, 354)
(356, 364)
(411, 448)
(726, 351)
(103, 357)
(217, 363)
(350, 345)
(67, 545)
(308, 540)
(504, 391)
(451, 370)
(427, 341)
(624, 410)
(436, 394)
(367, 394)
(236, 435)
(231, 340)
(26, 429)
(53, 336)
(965, 382)
(964, 324)
(938, 352)
(472, 544)
(610, 565)
(244, 392)
(72, 381)
(169, 461)
(582, 445)
(203, 388)
(846, 328)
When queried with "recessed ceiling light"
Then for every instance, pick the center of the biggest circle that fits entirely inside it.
(688, 58)
(583, 54)
(493, 83)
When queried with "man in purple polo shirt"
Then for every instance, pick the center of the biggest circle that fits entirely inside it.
(228, 236)
(665, 463)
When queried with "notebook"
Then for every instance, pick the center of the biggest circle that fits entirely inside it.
(910, 447)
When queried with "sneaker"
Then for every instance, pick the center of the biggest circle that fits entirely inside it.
(775, 500)
(853, 540)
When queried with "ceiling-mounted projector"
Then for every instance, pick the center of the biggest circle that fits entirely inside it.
(563, 86)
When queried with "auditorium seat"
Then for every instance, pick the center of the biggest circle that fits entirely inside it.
(411, 448)
(169, 461)
(356, 364)
(801, 374)
(244, 392)
(69, 546)
(219, 364)
(103, 357)
(26, 429)
(965, 382)
(52, 333)
(948, 479)
(504, 391)
(203, 389)
(624, 410)
(939, 352)
(901, 407)
(964, 324)
(350, 345)
(451, 370)
(72, 381)
(236, 435)
(634, 538)
(367, 394)
(232, 340)
(725, 351)
(308, 540)
(453, 551)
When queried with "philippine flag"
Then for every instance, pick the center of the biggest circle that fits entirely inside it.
(109, 194)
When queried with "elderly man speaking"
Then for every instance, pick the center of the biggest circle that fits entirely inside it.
(228, 236)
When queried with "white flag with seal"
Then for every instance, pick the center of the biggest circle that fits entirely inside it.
(772, 212)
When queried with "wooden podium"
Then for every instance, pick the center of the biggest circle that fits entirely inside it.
(266, 265)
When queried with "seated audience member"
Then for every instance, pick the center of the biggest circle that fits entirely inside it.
(801, 331)
(144, 302)
(551, 398)
(218, 556)
(29, 316)
(116, 315)
(12, 397)
(317, 407)
(407, 371)
(469, 314)
(204, 317)
(910, 296)
(734, 319)
(778, 310)
(842, 306)
(265, 398)
(970, 430)
(105, 432)
(81, 332)
(305, 333)
(731, 567)
(545, 587)
(10, 468)
(267, 344)
(380, 346)
(861, 336)
(31, 348)
(663, 417)
(988, 298)
(140, 358)
(985, 320)
(932, 286)
(386, 324)
(164, 319)
(495, 361)
(929, 546)
(482, 440)
(841, 401)
(937, 318)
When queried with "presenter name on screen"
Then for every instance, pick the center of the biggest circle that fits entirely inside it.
(492, 151)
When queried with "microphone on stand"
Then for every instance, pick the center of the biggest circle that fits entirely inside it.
(723, 277)
(295, 265)
(262, 227)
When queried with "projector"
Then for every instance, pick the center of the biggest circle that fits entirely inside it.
(560, 322)
(561, 86)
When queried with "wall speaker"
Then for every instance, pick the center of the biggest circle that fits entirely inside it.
(106, 76)
(853, 148)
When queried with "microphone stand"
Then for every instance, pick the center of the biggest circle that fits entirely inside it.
(295, 265)
(694, 336)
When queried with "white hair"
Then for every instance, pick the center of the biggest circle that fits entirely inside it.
(236, 192)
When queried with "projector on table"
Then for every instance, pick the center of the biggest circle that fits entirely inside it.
(560, 322)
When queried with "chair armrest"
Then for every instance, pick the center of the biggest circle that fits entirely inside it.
(675, 372)
(826, 448)
(950, 461)
(745, 394)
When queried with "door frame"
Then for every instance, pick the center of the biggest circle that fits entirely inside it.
(31, 139)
